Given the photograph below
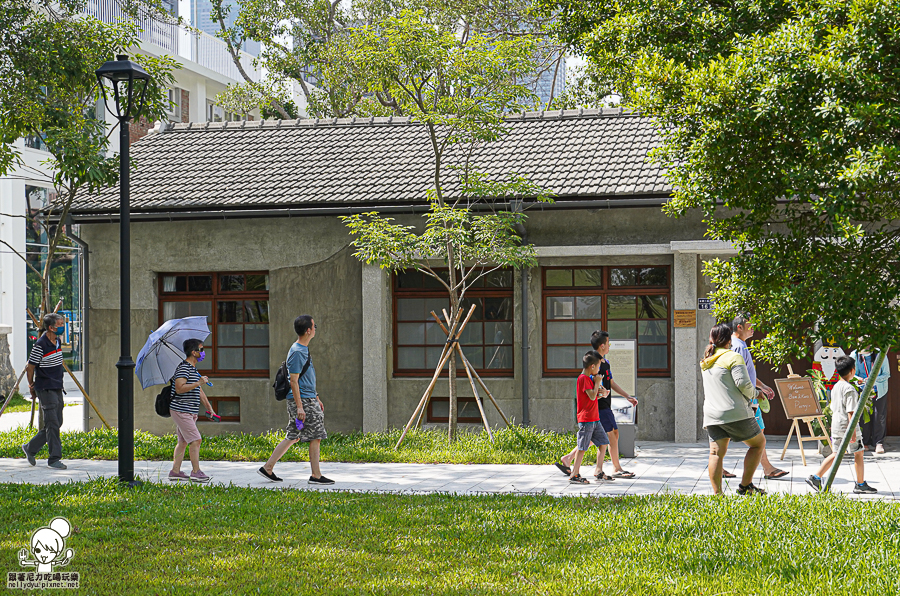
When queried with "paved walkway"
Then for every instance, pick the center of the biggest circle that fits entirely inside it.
(73, 414)
(660, 468)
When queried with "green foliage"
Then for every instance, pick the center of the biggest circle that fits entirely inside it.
(16, 404)
(157, 539)
(779, 122)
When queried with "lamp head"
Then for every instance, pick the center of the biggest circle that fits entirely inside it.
(125, 77)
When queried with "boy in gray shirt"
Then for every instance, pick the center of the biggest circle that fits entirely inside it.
(844, 401)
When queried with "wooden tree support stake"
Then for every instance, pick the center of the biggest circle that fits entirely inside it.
(11, 392)
(453, 337)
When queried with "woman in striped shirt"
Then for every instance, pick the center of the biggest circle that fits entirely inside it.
(185, 406)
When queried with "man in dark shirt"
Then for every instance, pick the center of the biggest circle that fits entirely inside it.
(45, 380)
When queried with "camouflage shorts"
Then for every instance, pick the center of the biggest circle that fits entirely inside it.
(313, 426)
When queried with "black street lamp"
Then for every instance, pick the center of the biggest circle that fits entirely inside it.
(125, 76)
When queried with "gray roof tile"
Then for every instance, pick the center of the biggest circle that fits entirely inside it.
(376, 161)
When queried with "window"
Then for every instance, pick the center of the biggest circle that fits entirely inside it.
(174, 105)
(487, 340)
(628, 302)
(229, 408)
(236, 305)
(467, 409)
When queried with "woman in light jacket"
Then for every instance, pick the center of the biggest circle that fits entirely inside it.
(727, 415)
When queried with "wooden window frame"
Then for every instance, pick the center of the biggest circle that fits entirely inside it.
(445, 419)
(605, 290)
(214, 402)
(214, 296)
(441, 292)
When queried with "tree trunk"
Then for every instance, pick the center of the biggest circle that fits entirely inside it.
(454, 409)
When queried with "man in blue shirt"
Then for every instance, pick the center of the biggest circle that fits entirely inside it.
(306, 414)
(742, 331)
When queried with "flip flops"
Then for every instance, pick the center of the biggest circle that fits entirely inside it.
(563, 468)
(603, 476)
(776, 473)
(727, 474)
(623, 474)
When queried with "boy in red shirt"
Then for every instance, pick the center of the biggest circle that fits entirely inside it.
(588, 388)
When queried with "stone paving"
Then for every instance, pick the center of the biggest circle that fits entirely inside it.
(660, 468)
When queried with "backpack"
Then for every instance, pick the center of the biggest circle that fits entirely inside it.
(163, 400)
(282, 384)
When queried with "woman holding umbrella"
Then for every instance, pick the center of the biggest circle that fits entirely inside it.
(185, 406)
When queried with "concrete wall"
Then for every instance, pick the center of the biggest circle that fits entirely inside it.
(312, 270)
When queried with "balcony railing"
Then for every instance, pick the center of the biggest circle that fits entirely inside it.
(200, 48)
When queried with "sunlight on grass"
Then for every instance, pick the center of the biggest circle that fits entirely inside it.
(227, 540)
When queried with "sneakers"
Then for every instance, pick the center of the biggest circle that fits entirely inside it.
(199, 477)
(58, 465)
(863, 488)
(179, 475)
(815, 482)
(320, 480)
(879, 449)
(750, 489)
(268, 475)
(29, 457)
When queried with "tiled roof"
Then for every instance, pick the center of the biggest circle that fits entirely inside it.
(575, 154)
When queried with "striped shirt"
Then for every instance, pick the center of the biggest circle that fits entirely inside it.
(47, 359)
(188, 402)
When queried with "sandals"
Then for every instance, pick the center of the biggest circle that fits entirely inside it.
(776, 473)
(727, 474)
(623, 474)
(578, 480)
(563, 468)
(603, 476)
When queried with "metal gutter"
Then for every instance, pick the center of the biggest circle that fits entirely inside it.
(86, 306)
(412, 208)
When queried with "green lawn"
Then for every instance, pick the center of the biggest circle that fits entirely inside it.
(161, 539)
(513, 445)
(17, 404)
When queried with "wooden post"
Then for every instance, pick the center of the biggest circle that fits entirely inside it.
(477, 376)
(437, 373)
(487, 427)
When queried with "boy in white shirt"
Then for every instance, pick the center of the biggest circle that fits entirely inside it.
(844, 401)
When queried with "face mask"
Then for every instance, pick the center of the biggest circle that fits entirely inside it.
(201, 357)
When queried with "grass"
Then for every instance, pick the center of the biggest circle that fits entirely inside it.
(164, 539)
(512, 445)
(17, 404)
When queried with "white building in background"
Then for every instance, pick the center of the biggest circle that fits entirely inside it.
(206, 69)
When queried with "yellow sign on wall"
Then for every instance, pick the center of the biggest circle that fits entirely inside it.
(685, 318)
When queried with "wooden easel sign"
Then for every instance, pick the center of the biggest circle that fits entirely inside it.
(801, 404)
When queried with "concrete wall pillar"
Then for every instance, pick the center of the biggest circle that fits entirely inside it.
(375, 319)
(12, 269)
(687, 392)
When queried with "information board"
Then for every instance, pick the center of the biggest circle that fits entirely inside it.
(685, 318)
(798, 397)
(622, 358)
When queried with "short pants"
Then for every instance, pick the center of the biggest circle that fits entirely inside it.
(591, 432)
(739, 430)
(313, 426)
(851, 448)
(185, 426)
(608, 420)
(758, 414)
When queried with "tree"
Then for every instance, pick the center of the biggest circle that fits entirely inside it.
(307, 42)
(788, 141)
(460, 96)
(50, 52)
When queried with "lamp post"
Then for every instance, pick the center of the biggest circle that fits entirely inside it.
(123, 76)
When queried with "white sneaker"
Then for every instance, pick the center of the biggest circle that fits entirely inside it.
(879, 448)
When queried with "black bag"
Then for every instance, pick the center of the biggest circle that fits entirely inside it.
(163, 400)
(282, 384)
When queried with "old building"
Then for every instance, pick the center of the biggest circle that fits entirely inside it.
(239, 221)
